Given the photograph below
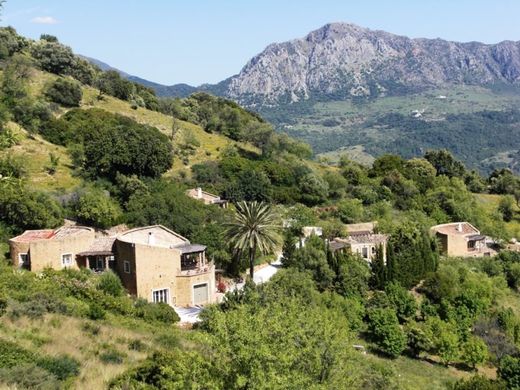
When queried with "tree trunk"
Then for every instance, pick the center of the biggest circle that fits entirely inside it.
(252, 252)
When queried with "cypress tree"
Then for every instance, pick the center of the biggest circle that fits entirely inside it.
(378, 267)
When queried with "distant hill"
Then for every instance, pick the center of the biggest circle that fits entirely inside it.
(338, 87)
(176, 90)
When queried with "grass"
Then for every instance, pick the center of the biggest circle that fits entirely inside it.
(34, 151)
(89, 342)
(413, 374)
(490, 203)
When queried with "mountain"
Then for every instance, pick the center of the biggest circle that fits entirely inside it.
(342, 60)
(346, 89)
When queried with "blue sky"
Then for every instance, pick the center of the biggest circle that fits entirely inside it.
(197, 41)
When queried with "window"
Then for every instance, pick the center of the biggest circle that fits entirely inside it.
(66, 260)
(23, 259)
(100, 263)
(126, 267)
(161, 295)
(365, 252)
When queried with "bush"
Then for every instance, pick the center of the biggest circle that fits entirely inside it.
(62, 367)
(12, 355)
(112, 356)
(96, 208)
(29, 376)
(38, 305)
(64, 92)
(3, 305)
(136, 345)
(477, 382)
(96, 312)
(160, 312)
(385, 331)
(509, 371)
(110, 284)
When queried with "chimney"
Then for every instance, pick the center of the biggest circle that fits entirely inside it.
(151, 239)
(459, 227)
(199, 193)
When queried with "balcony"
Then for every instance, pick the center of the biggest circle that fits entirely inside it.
(197, 270)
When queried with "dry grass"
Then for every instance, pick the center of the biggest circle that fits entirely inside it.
(34, 151)
(57, 335)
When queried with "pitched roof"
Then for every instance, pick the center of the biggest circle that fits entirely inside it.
(161, 237)
(101, 246)
(371, 238)
(49, 234)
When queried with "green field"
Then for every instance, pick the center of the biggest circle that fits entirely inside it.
(344, 127)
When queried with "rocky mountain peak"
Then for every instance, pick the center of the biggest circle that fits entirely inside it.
(342, 60)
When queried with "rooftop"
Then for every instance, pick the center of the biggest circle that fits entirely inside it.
(101, 246)
(156, 235)
(370, 238)
(456, 228)
(49, 234)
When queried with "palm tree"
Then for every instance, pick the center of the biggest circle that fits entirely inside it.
(253, 227)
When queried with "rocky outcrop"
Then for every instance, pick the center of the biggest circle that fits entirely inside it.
(343, 60)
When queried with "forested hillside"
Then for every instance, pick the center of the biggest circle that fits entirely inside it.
(86, 145)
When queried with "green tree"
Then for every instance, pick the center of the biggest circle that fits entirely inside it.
(96, 208)
(253, 227)
(403, 302)
(64, 92)
(378, 268)
(509, 371)
(474, 351)
(505, 207)
(314, 189)
(445, 164)
(385, 331)
(110, 284)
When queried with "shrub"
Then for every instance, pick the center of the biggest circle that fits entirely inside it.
(112, 356)
(110, 284)
(160, 312)
(64, 92)
(97, 209)
(96, 312)
(29, 376)
(136, 345)
(38, 305)
(91, 328)
(474, 352)
(13, 355)
(477, 382)
(3, 305)
(509, 371)
(62, 367)
(385, 331)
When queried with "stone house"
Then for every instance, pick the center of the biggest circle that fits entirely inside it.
(361, 239)
(461, 239)
(36, 250)
(206, 197)
(153, 262)
(366, 245)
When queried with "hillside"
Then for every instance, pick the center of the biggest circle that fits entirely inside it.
(35, 150)
(335, 88)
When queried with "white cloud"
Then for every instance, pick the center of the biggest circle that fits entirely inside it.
(44, 20)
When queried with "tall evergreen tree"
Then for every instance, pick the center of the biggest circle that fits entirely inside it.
(378, 268)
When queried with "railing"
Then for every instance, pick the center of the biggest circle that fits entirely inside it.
(206, 268)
